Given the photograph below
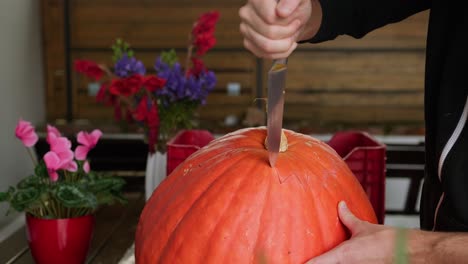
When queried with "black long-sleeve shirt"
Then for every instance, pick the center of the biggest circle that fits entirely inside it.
(444, 202)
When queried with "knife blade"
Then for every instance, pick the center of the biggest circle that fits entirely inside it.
(276, 84)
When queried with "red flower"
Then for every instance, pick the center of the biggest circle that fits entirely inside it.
(204, 42)
(117, 111)
(203, 32)
(134, 83)
(152, 83)
(118, 87)
(89, 68)
(206, 23)
(147, 112)
(127, 86)
(197, 68)
(153, 117)
(141, 111)
(102, 93)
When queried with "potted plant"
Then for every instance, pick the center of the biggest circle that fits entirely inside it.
(162, 103)
(61, 195)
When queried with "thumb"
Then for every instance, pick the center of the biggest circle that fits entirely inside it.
(286, 7)
(353, 223)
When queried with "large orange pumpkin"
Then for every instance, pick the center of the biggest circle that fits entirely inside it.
(225, 204)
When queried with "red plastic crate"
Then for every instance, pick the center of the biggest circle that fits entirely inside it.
(365, 157)
(184, 144)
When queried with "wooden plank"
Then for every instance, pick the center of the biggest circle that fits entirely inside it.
(107, 221)
(123, 236)
(157, 24)
(14, 246)
(355, 71)
(216, 60)
(317, 115)
(26, 258)
(54, 58)
(351, 99)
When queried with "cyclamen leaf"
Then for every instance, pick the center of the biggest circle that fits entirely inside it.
(31, 181)
(4, 196)
(106, 184)
(23, 198)
(71, 196)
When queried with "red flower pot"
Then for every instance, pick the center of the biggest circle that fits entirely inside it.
(59, 241)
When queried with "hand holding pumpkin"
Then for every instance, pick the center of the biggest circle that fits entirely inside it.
(372, 243)
(369, 243)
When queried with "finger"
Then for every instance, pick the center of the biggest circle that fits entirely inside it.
(273, 29)
(286, 7)
(264, 10)
(262, 54)
(331, 256)
(348, 218)
(265, 44)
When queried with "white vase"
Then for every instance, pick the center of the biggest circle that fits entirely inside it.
(155, 172)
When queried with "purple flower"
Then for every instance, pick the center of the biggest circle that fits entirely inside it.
(127, 66)
(161, 66)
(181, 87)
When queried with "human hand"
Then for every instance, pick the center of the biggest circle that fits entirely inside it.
(271, 29)
(369, 243)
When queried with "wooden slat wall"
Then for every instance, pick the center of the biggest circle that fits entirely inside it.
(54, 58)
(374, 80)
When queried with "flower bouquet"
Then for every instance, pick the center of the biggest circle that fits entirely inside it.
(164, 102)
(63, 184)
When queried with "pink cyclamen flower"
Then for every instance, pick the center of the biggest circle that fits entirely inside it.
(87, 141)
(51, 130)
(86, 167)
(61, 146)
(53, 164)
(25, 132)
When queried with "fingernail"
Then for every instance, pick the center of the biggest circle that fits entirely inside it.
(342, 205)
(284, 10)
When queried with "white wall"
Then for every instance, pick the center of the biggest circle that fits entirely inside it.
(21, 86)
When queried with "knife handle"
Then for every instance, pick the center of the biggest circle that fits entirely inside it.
(280, 61)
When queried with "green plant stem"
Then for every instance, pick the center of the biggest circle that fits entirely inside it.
(46, 209)
(189, 55)
(67, 176)
(57, 208)
(32, 156)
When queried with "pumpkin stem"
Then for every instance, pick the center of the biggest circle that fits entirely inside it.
(283, 143)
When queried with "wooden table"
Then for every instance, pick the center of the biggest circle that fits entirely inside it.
(113, 234)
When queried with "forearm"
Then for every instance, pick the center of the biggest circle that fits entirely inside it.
(437, 247)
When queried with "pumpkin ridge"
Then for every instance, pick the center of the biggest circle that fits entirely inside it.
(255, 249)
(201, 194)
(310, 198)
(241, 186)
